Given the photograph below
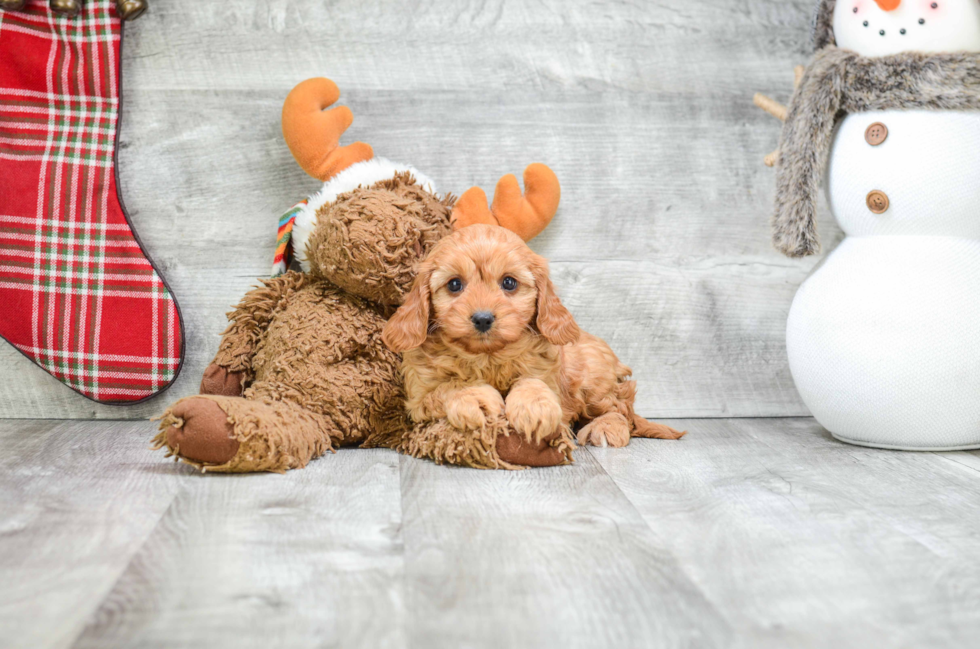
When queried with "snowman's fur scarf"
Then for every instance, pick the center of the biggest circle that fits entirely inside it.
(837, 82)
(823, 24)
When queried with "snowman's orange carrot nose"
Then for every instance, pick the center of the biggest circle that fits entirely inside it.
(888, 5)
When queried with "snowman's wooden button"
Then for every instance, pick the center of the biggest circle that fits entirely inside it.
(876, 134)
(877, 201)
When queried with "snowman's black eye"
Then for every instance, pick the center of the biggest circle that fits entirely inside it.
(882, 32)
(865, 23)
(508, 284)
(934, 5)
(855, 9)
(922, 21)
(902, 31)
(455, 285)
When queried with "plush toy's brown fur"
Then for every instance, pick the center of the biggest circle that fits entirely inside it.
(302, 369)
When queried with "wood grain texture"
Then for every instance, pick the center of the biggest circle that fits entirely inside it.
(803, 541)
(746, 533)
(643, 109)
(309, 559)
(543, 558)
(77, 501)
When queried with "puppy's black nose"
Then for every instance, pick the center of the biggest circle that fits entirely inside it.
(482, 320)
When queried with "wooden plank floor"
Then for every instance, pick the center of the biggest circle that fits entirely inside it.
(747, 533)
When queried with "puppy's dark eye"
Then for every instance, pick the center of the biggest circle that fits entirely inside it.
(455, 285)
(509, 283)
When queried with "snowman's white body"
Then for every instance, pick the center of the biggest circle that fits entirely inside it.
(884, 337)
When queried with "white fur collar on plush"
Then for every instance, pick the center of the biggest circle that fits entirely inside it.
(362, 174)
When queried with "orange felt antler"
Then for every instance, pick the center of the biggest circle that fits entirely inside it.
(525, 215)
(313, 134)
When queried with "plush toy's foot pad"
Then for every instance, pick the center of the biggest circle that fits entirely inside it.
(516, 449)
(204, 435)
(220, 380)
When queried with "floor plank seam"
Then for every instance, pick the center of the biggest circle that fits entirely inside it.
(124, 569)
(951, 458)
(662, 547)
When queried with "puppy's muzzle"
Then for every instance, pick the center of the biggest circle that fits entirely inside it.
(482, 321)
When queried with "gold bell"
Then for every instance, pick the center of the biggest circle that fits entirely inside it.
(12, 5)
(131, 9)
(66, 7)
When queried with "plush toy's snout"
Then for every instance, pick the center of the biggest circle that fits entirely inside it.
(370, 240)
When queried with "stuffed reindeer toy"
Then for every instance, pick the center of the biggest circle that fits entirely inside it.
(302, 368)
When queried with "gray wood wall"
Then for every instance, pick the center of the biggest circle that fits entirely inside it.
(643, 109)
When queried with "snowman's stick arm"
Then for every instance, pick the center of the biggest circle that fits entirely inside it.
(770, 105)
(777, 110)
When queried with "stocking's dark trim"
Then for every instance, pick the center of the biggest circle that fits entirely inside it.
(122, 206)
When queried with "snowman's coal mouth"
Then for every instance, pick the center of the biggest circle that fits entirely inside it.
(902, 31)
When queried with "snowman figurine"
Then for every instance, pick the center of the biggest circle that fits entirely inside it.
(883, 338)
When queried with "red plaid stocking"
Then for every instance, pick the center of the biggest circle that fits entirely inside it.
(78, 295)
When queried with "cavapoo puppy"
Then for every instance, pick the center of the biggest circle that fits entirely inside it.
(484, 335)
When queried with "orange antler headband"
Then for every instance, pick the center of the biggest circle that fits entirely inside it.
(526, 215)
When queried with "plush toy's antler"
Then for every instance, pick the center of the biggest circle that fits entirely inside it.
(526, 215)
(313, 134)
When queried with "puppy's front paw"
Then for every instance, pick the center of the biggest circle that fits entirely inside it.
(611, 429)
(471, 408)
(533, 409)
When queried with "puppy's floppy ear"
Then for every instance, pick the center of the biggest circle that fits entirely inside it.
(553, 320)
(408, 328)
